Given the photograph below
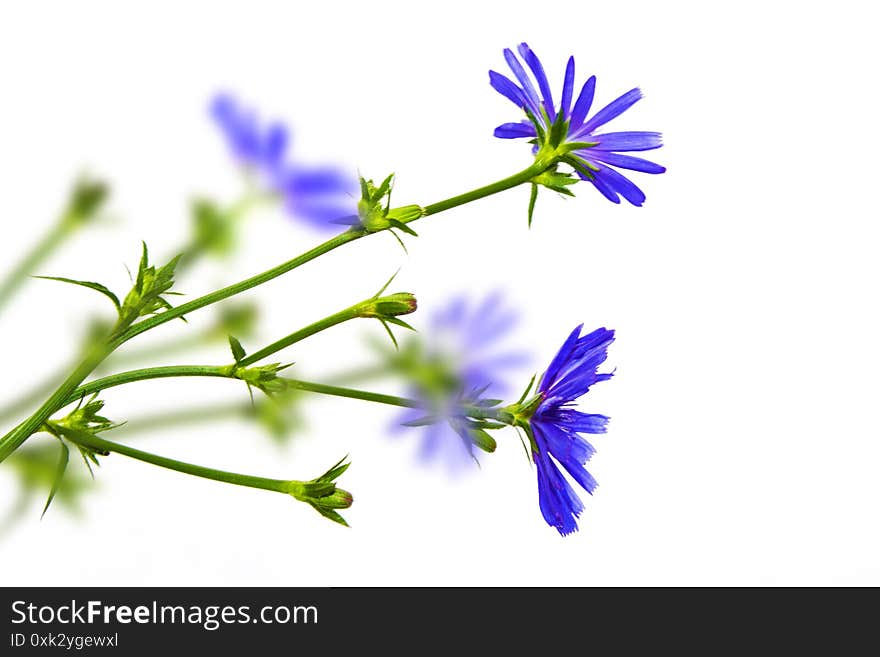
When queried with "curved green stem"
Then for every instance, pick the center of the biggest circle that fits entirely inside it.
(344, 238)
(352, 312)
(515, 180)
(147, 373)
(237, 288)
(228, 372)
(101, 445)
(12, 440)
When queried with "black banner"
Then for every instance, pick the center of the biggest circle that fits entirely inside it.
(415, 621)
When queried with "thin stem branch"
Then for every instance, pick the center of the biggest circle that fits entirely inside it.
(102, 445)
(12, 440)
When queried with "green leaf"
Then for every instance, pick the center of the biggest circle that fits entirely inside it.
(421, 422)
(142, 267)
(89, 284)
(238, 351)
(390, 334)
(399, 322)
(335, 470)
(528, 389)
(578, 145)
(483, 440)
(330, 514)
(402, 226)
(384, 188)
(532, 199)
(489, 403)
(63, 459)
(399, 241)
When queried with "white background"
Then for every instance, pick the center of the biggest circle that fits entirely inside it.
(744, 443)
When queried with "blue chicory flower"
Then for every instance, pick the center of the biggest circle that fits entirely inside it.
(605, 151)
(320, 195)
(460, 355)
(556, 426)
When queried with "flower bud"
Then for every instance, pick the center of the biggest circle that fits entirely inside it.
(322, 494)
(392, 305)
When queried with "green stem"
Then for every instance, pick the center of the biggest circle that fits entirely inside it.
(35, 257)
(351, 393)
(337, 318)
(147, 373)
(237, 288)
(228, 372)
(507, 183)
(12, 440)
(344, 238)
(102, 445)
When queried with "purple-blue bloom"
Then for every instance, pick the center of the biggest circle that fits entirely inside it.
(462, 351)
(556, 426)
(318, 194)
(606, 150)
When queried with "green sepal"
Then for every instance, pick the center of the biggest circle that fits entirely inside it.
(483, 440)
(533, 197)
(63, 459)
(86, 199)
(421, 422)
(322, 494)
(211, 227)
(89, 284)
(238, 351)
(406, 213)
(145, 297)
(570, 146)
(399, 225)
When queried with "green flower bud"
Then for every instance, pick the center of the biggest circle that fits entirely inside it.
(85, 200)
(392, 305)
(322, 494)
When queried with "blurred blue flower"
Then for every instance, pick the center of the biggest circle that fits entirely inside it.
(320, 195)
(459, 357)
(604, 151)
(556, 427)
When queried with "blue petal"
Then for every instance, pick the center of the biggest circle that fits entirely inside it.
(559, 360)
(312, 181)
(275, 144)
(538, 69)
(528, 88)
(567, 88)
(625, 161)
(606, 189)
(611, 110)
(505, 86)
(583, 103)
(624, 186)
(566, 446)
(515, 130)
(559, 504)
(628, 141)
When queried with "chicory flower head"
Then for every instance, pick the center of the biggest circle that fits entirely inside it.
(459, 359)
(317, 194)
(569, 132)
(555, 428)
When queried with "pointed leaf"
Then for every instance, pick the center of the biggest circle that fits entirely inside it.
(89, 284)
(421, 422)
(399, 241)
(390, 334)
(238, 351)
(402, 226)
(532, 199)
(63, 459)
(399, 322)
